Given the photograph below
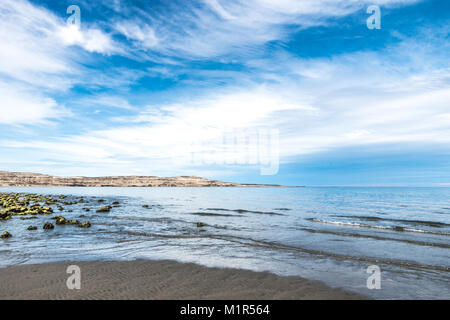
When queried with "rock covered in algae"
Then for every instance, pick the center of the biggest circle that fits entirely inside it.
(5, 216)
(30, 205)
(6, 235)
(145, 206)
(48, 226)
(105, 209)
(63, 221)
(17, 204)
(86, 224)
(28, 218)
(200, 224)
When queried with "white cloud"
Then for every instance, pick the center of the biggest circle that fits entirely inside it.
(234, 26)
(317, 104)
(145, 35)
(37, 60)
(92, 40)
(22, 106)
(359, 99)
(112, 101)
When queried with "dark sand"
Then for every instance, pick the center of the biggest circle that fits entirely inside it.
(144, 279)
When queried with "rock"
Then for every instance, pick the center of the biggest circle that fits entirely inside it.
(48, 226)
(28, 218)
(31, 228)
(6, 235)
(5, 216)
(63, 221)
(86, 224)
(116, 203)
(145, 206)
(60, 221)
(104, 209)
(200, 224)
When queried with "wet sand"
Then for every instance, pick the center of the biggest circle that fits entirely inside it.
(155, 280)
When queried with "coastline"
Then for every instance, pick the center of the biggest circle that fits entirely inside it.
(157, 280)
(27, 179)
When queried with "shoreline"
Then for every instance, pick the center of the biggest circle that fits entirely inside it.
(158, 280)
(27, 179)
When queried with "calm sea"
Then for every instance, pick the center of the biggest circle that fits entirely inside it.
(327, 234)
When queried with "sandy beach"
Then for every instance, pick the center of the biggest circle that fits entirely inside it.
(154, 280)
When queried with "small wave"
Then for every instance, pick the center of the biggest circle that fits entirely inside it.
(167, 236)
(210, 214)
(145, 219)
(279, 246)
(362, 225)
(358, 235)
(433, 224)
(245, 211)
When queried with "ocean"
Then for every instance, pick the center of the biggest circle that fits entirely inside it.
(330, 234)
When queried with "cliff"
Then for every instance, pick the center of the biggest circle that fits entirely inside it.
(38, 180)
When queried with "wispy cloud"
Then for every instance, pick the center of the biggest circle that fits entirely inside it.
(319, 104)
(216, 28)
(167, 76)
(37, 60)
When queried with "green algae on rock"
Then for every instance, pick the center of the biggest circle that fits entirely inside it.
(86, 224)
(28, 206)
(6, 235)
(5, 216)
(48, 226)
(104, 209)
(28, 218)
(63, 221)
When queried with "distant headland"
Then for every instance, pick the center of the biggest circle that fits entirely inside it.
(25, 179)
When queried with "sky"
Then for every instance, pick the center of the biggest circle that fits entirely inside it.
(297, 92)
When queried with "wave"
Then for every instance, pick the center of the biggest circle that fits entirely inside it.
(358, 235)
(362, 225)
(245, 211)
(433, 224)
(210, 214)
(279, 246)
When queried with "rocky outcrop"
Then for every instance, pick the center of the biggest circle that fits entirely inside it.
(36, 180)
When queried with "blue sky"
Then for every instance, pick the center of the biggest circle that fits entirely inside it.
(142, 87)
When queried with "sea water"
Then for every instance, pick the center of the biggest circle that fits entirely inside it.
(328, 234)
